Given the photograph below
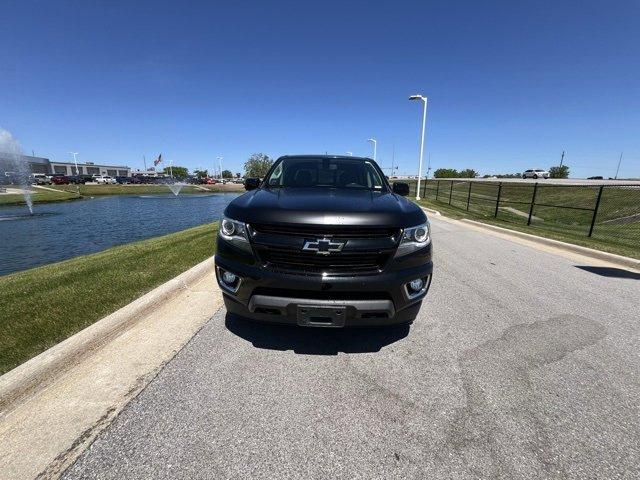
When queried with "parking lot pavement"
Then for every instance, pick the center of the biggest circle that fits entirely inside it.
(521, 365)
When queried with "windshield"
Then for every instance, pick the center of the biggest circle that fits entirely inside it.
(326, 172)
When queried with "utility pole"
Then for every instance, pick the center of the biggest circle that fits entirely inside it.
(618, 169)
(562, 158)
(144, 160)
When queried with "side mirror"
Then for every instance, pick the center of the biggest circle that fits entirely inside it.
(251, 183)
(401, 188)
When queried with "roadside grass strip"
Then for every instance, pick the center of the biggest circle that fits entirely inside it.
(42, 306)
(613, 237)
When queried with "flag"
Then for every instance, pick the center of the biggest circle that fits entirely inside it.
(158, 160)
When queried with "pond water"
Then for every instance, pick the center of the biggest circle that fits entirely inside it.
(59, 231)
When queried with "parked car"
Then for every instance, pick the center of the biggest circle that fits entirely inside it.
(123, 180)
(40, 179)
(104, 180)
(535, 173)
(16, 178)
(76, 179)
(60, 180)
(331, 244)
(85, 178)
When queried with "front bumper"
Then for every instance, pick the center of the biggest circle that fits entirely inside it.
(363, 300)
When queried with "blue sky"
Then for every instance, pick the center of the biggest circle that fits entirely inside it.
(511, 84)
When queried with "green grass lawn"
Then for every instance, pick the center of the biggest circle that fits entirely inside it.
(617, 223)
(45, 305)
(39, 196)
(619, 239)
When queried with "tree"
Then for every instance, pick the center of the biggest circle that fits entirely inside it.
(201, 173)
(468, 173)
(446, 173)
(504, 175)
(238, 175)
(177, 171)
(258, 165)
(559, 172)
(227, 174)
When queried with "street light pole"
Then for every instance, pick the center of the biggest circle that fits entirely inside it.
(393, 158)
(424, 123)
(375, 146)
(75, 160)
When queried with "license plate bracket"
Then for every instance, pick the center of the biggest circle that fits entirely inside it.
(321, 316)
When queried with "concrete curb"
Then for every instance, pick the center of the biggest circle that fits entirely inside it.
(432, 211)
(589, 252)
(41, 370)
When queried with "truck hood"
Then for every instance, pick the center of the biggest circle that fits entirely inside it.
(319, 206)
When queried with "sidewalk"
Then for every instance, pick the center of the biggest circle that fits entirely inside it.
(44, 434)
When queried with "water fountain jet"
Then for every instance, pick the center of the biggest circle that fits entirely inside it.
(175, 188)
(10, 148)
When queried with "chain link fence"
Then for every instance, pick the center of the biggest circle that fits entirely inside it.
(605, 212)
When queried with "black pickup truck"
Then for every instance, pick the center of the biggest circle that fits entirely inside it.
(324, 241)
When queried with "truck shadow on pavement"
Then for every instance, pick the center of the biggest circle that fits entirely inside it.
(315, 341)
(610, 272)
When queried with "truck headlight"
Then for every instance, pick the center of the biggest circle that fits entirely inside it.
(414, 238)
(228, 227)
(235, 232)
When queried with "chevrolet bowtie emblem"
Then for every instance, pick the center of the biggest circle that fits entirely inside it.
(323, 246)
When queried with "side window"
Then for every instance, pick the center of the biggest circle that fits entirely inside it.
(276, 177)
(373, 179)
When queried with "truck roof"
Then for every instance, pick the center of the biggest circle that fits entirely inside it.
(348, 157)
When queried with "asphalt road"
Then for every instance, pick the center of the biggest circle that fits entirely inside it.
(521, 365)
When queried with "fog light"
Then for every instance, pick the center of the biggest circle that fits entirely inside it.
(416, 285)
(229, 278)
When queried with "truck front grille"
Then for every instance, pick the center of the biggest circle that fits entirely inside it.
(325, 230)
(343, 262)
(366, 249)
